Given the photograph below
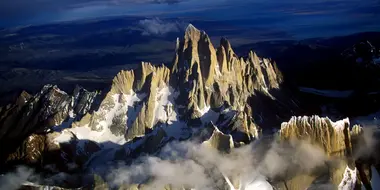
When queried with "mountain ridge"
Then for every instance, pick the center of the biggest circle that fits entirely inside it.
(210, 95)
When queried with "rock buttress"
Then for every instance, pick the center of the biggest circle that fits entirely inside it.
(334, 139)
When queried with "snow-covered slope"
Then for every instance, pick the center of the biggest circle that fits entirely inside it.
(209, 97)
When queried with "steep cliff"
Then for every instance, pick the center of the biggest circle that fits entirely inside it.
(204, 84)
(208, 96)
(25, 125)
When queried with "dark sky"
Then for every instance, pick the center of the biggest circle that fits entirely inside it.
(334, 15)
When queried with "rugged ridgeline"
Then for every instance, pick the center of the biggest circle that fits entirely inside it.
(209, 95)
(350, 153)
(148, 107)
(24, 125)
(307, 153)
(338, 169)
(205, 84)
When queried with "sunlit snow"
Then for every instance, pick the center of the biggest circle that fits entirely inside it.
(339, 125)
(349, 179)
(105, 135)
(258, 183)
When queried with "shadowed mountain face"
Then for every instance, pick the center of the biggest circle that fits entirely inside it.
(210, 120)
(304, 61)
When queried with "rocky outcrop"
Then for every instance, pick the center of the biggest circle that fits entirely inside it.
(219, 140)
(31, 151)
(211, 76)
(344, 169)
(24, 124)
(202, 80)
(145, 108)
(333, 137)
(208, 95)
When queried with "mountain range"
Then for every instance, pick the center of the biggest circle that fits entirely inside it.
(209, 120)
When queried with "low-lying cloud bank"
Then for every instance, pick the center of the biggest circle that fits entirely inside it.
(195, 165)
(188, 164)
(14, 180)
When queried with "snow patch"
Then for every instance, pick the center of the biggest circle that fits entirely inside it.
(349, 179)
(107, 155)
(339, 125)
(258, 184)
(164, 108)
(327, 93)
(167, 113)
(60, 91)
(71, 114)
(119, 108)
(204, 110)
(85, 133)
(64, 137)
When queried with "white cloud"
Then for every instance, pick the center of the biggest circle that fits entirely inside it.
(194, 165)
(159, 27)
(197, 166)
(13, 180)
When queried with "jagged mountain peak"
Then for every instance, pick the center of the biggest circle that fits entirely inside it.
(191, 31)
(194, 82)
(218, 140)
(127, 81)
(23, 98)
(191, 27)
(225, 43)
(148, 107)
(194, 34)
(209, 97)
(333, 139)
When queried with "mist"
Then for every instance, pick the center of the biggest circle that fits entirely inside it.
(14, 180)
(367, 143)
(190, 164)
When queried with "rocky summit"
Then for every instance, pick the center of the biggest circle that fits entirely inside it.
(210, 120)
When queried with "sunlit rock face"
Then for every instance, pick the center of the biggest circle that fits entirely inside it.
(203, 85)
(208, 77)
(347, 153)
(219, 140)
(208, 96)
(332, 137)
